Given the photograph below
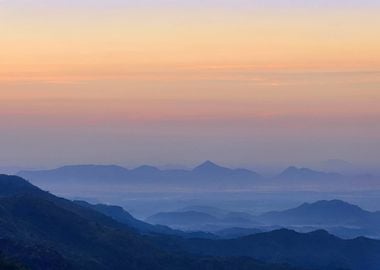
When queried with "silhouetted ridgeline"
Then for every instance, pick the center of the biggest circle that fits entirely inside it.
(208, 176)
(42, 231)
(338, 217)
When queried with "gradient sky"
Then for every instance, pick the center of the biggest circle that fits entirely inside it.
(244, 83)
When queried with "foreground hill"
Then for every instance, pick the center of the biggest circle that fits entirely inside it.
(46, 232)
(43, 232)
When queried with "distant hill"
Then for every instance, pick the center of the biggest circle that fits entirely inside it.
(122, 216)
(305, 174)
(336, 216)
(209, 167)
(212, 169)
(181, 218)
(213, 211)
(335, 212)
(206, 218)
(207, 174)
(78, 174)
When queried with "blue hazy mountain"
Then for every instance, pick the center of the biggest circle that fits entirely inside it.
(175, 219)
(336, 216)
(303, 174)
(206, 174)
(213, 211)
(79, 174)
(209, 167)
(122, 216)
(212, 169)
(203, 218)
(119, 214)
(334, 212)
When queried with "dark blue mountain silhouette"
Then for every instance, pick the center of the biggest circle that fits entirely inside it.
(315, 250)
(43, 231)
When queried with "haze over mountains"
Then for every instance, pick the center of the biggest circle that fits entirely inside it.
(147, 190)
(338, 217)
(41, 231)
(208, 175)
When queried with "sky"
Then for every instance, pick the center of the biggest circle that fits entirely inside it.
(243, 83)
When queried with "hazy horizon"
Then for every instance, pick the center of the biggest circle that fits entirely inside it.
(242, 83)
(190, 134)
(331, 166)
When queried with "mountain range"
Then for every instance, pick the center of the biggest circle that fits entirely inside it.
(294, 173)
(336, 216)
(41, 231)
(208, 175)
(334, 213)
(122, 216)
(205, 174)
(315, 250)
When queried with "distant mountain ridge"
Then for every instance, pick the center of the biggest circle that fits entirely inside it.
(326, 213)
(122, 216)
(181, 218)
(294, 173)
(336, 216)
(203, 218)
(206, 174)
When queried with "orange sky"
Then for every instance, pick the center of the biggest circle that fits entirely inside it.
(185, 72)
(64, 44)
